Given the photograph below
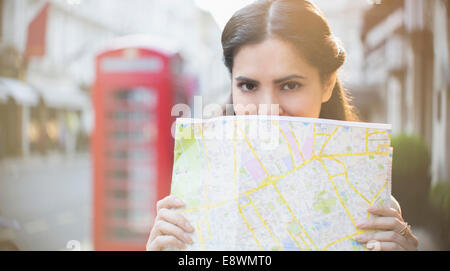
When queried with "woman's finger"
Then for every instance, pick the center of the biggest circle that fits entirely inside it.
(164, 241)
(374, 245)
(175, 218)
(165, 228)
(382, 223)
(384, 211)
(169, 202)
(385, 236)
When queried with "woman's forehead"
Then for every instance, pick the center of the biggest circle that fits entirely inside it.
(272, 57)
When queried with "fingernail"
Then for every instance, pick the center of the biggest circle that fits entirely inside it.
(373, 245)
(179, 202)
(361, 224)
(189, 227)
(372, 208)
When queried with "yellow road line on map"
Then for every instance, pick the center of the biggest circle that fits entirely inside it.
(261, 186)
(367, 140)
(293, 215)
(314, 138)
(347, 180)
(287, 142)
(202, 240)
(237, 197)
(264, 223)
(298, 144)
(337, 175)
(293, 238)
(235, 192)
(300, 235)
(199, 234)
(253, 151)
(273, 180)
(328, 140)
(243, 194)
(207, 183)
(294, 169)
(382, 145)
(208, 162)
(377, 133)
(303, 240)
(343, 239)
(339, 196)
(378, 193)
(200, 237)
(355, 154)
(250, 228)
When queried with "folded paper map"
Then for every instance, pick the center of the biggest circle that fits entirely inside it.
(279, 183)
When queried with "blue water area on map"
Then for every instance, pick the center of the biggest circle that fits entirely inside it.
(355, 243)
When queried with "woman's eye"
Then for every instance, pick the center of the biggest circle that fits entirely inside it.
(247, 86)
(290, 86)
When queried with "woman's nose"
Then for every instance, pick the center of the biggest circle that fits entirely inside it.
(269, 105)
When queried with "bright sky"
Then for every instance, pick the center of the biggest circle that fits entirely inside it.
(222, 10)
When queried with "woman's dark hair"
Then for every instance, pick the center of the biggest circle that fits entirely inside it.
(303, 25)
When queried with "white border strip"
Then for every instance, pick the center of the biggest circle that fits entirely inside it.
(288, 118)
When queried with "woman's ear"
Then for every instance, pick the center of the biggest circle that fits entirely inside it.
(329, 86)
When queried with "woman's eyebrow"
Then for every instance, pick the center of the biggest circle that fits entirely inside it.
(242, 78)
(293, 76)
(276, 81)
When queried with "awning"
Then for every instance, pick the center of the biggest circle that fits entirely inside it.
(22, 93)
(60, 93)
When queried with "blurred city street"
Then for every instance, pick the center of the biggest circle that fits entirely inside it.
(51, 200)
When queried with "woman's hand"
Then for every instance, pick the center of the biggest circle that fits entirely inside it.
(391, 231)
(170, 228)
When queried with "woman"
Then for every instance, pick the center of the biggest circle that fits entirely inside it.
(282, 52)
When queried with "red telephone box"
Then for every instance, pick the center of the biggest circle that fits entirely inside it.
(132, 145)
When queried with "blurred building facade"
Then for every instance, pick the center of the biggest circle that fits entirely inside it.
(77, 30)
(347, 31)
(406, 46)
